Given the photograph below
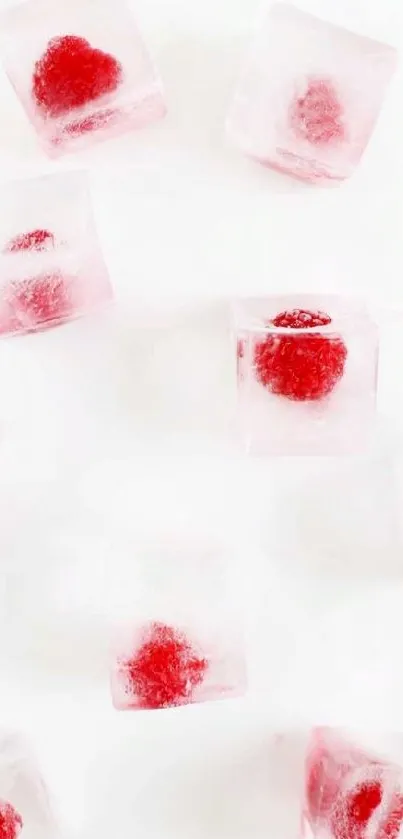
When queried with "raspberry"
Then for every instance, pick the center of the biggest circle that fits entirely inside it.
(300, 367)
(165, 669)
(42, 299)
(72, 73)
(354, 810)
(35, 240)
(317, 115)
(10, 821)
(390, 827)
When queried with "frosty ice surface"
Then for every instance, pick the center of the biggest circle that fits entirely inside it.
(80, 70)
(51, 266)
(351, 792)
(309, 96)
(307, 373)
(25, 809)
(177, 639)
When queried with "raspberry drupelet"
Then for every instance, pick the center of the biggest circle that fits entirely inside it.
(164, 670)
(300, 367)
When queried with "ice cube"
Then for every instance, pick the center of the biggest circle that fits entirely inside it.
(80, 70)
(309, 96)
(25, 808)
(177, 633)
(51, 266)
(307, 374)
(351, 792)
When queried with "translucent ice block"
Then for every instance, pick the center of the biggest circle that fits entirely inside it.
(80, 70)
(178, 637)
(352, 791)
(309, 96)
(51, 266)
(25, 809)
(307, 374)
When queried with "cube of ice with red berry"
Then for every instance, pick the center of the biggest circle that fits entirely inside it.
(80, 70)
(25, 807)
(307, 374)
(352, 791)
(51, 266)
(178, 638)
(309, 96)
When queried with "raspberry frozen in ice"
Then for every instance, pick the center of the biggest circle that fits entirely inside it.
(307, 374)
(79, 79)
(34, 240)
(10, 821)
(165, 668)
(309, 96)
(300, 367)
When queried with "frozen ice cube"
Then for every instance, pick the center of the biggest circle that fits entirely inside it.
(309, 96)
(177, 632)
(307, 374)
(25, 808)
(51, 266)
(351, 791)
(80, 70)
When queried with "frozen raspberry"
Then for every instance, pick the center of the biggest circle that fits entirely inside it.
(316, 116)
(393, 821)
(300, 367)
(10, 821)
(72, 73)
(34, 240)
(165, 669)
(354, 810)
(42, 299)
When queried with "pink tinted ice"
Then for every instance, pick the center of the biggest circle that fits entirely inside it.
(307, 374)
(351, 792)
(51, 265)
(25, 807)
(309, 96)
(80, 70)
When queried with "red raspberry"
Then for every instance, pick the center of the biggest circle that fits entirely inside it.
(35, 240)
(42, 299)
(72, 73)
(10, 821)
(165, 669)
(317, 115)
(390, 827)
(300, 367)
(354, 810)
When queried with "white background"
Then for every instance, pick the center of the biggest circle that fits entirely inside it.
(117, 430)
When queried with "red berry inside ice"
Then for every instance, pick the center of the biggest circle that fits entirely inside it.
(34, 240)
(42, 299)
(300, 367)
(165, 669)
(10, 821)
(354, 810)
(393, 821)
(317, 114)
(72, 73)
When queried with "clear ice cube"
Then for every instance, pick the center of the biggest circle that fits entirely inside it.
(51, 265)
(177, 633)
(25, 807)
(309, 96)
(307, 374)
(80, 70)
(352, 791)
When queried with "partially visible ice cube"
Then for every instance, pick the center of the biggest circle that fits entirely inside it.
(351, 792)
(307, 374)
(51, 266)
(80, 70)
(309, 96)
(25, 808)
(178, 635)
